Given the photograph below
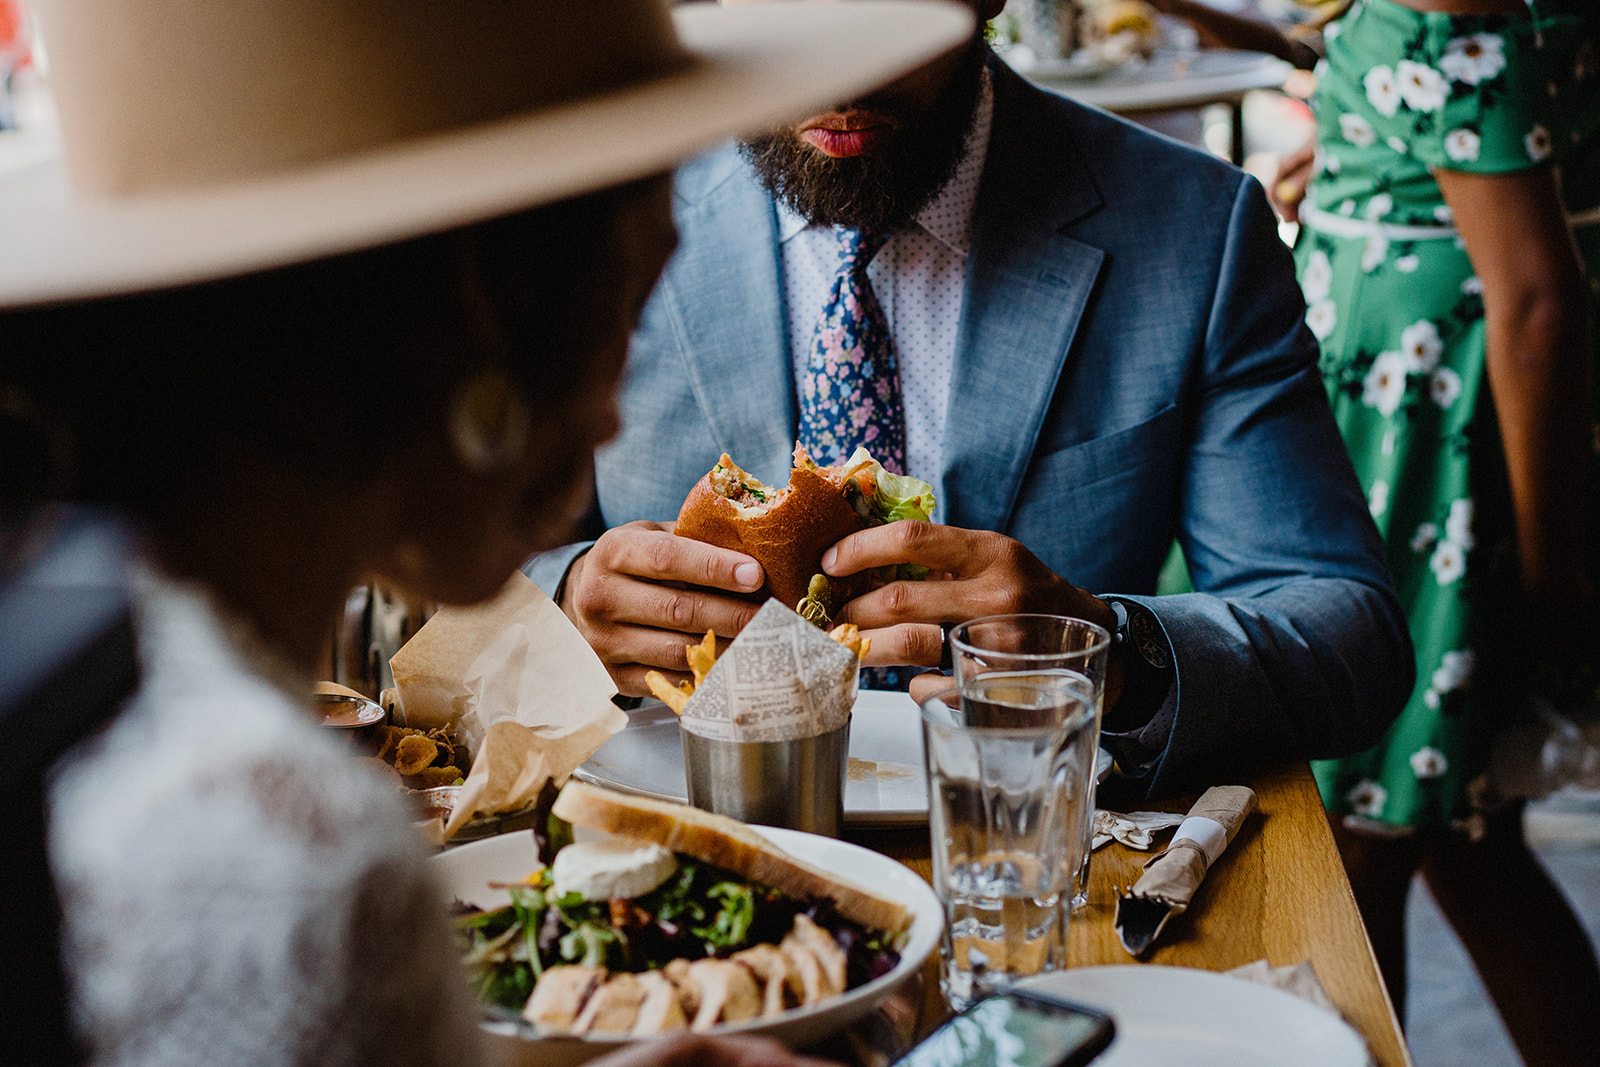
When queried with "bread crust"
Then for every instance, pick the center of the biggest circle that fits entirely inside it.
(727, 843)
(787, 539)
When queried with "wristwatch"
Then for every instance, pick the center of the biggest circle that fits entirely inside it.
(1147, 668)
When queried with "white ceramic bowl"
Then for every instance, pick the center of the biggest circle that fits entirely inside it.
(466, 870)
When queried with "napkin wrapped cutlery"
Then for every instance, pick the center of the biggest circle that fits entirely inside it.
(1170, 879)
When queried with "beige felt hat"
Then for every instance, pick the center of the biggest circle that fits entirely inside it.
(208, 138)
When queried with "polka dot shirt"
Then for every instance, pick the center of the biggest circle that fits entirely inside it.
(919, 278)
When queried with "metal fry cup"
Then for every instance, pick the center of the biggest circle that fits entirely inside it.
(797, 784)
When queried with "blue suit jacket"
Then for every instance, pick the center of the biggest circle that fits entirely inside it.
(1132, 366)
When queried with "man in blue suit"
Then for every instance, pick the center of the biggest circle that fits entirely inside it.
(1101, 348)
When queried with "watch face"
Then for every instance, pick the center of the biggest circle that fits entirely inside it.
(1145, 635)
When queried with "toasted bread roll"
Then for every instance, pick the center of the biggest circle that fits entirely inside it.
(785, 530)
(726, 843)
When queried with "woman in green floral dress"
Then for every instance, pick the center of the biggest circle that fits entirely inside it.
(1441, 281)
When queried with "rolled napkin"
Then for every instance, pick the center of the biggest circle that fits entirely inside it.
(1170, 879)
(780, 679)
(1135, 829)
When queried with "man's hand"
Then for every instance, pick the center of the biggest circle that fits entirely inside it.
(641, 594)
(697, 1050)
(973, 573)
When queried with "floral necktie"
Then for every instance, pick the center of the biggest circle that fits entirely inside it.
(852, 387)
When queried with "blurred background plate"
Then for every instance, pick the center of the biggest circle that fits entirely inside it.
(465, 872)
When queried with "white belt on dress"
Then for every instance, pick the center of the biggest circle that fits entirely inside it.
(1345, 226)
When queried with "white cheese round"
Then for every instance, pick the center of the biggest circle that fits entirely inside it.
(611, 867)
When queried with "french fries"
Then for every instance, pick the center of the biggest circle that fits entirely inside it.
(702, 656)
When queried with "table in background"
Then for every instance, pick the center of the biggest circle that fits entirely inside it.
(1173, 81)
(1279, 893)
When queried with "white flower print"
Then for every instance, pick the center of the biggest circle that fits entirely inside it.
(1385, 384)
(1458, 524)
(1383, 91)
(1331, 164)
(1367, 797)
(1317, 278)
(1398, 145)
(1423, 539)
(1473, 286)
(1443, 215)
(1448, 562)
(1379, 206)
(1473, 58)
(1462, 145)
(1357, 130)
(1454, 670)
(1321, 318)
(1374, 252)
(1378, 499)
(1422, 346)
(1444, 387)
(1537, 142)
(1431, 698)
(1428, 762)
(1347, 208)
(1408, 264)
(1421, 87)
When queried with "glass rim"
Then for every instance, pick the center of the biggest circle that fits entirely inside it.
(1086, 701)
(1102, 635)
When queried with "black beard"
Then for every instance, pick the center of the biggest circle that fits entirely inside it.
(884, 187)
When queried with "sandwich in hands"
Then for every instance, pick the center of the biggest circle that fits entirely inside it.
(684, 919)
(787, 530)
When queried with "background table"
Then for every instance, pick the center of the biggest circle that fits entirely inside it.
(1174, 80)
(1279, 893)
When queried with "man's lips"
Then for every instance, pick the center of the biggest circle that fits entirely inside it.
(847, 133)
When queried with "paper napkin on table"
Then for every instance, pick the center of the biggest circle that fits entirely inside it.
(1135, 829)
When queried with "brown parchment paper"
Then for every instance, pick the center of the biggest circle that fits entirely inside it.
(518, 685)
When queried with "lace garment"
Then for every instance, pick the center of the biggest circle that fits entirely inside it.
(236, 887)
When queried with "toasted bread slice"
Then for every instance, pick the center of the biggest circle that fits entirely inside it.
(727, 843)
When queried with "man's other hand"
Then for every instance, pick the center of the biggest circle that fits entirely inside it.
(972, 573)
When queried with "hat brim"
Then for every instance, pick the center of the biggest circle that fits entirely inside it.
(755, 67)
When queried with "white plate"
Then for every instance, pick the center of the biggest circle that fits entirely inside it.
(886, 784)
(1179, 1015)
(465, 872)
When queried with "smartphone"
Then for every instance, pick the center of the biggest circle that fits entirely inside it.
(1015, 1030)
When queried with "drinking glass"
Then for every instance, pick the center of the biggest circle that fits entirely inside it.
(1004, 760)
(1052, 644)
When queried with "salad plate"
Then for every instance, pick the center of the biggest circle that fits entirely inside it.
(466, 872)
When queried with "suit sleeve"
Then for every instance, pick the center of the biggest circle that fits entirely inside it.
(1293, 644)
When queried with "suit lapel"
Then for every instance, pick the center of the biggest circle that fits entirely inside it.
(1027, 286)
(726, 298)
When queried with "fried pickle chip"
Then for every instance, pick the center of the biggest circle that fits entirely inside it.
(673, 696)
(432, 777)
(414, 753)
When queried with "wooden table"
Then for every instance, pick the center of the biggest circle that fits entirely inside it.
(1279, 893)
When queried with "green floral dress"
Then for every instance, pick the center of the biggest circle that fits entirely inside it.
(1393, 299)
